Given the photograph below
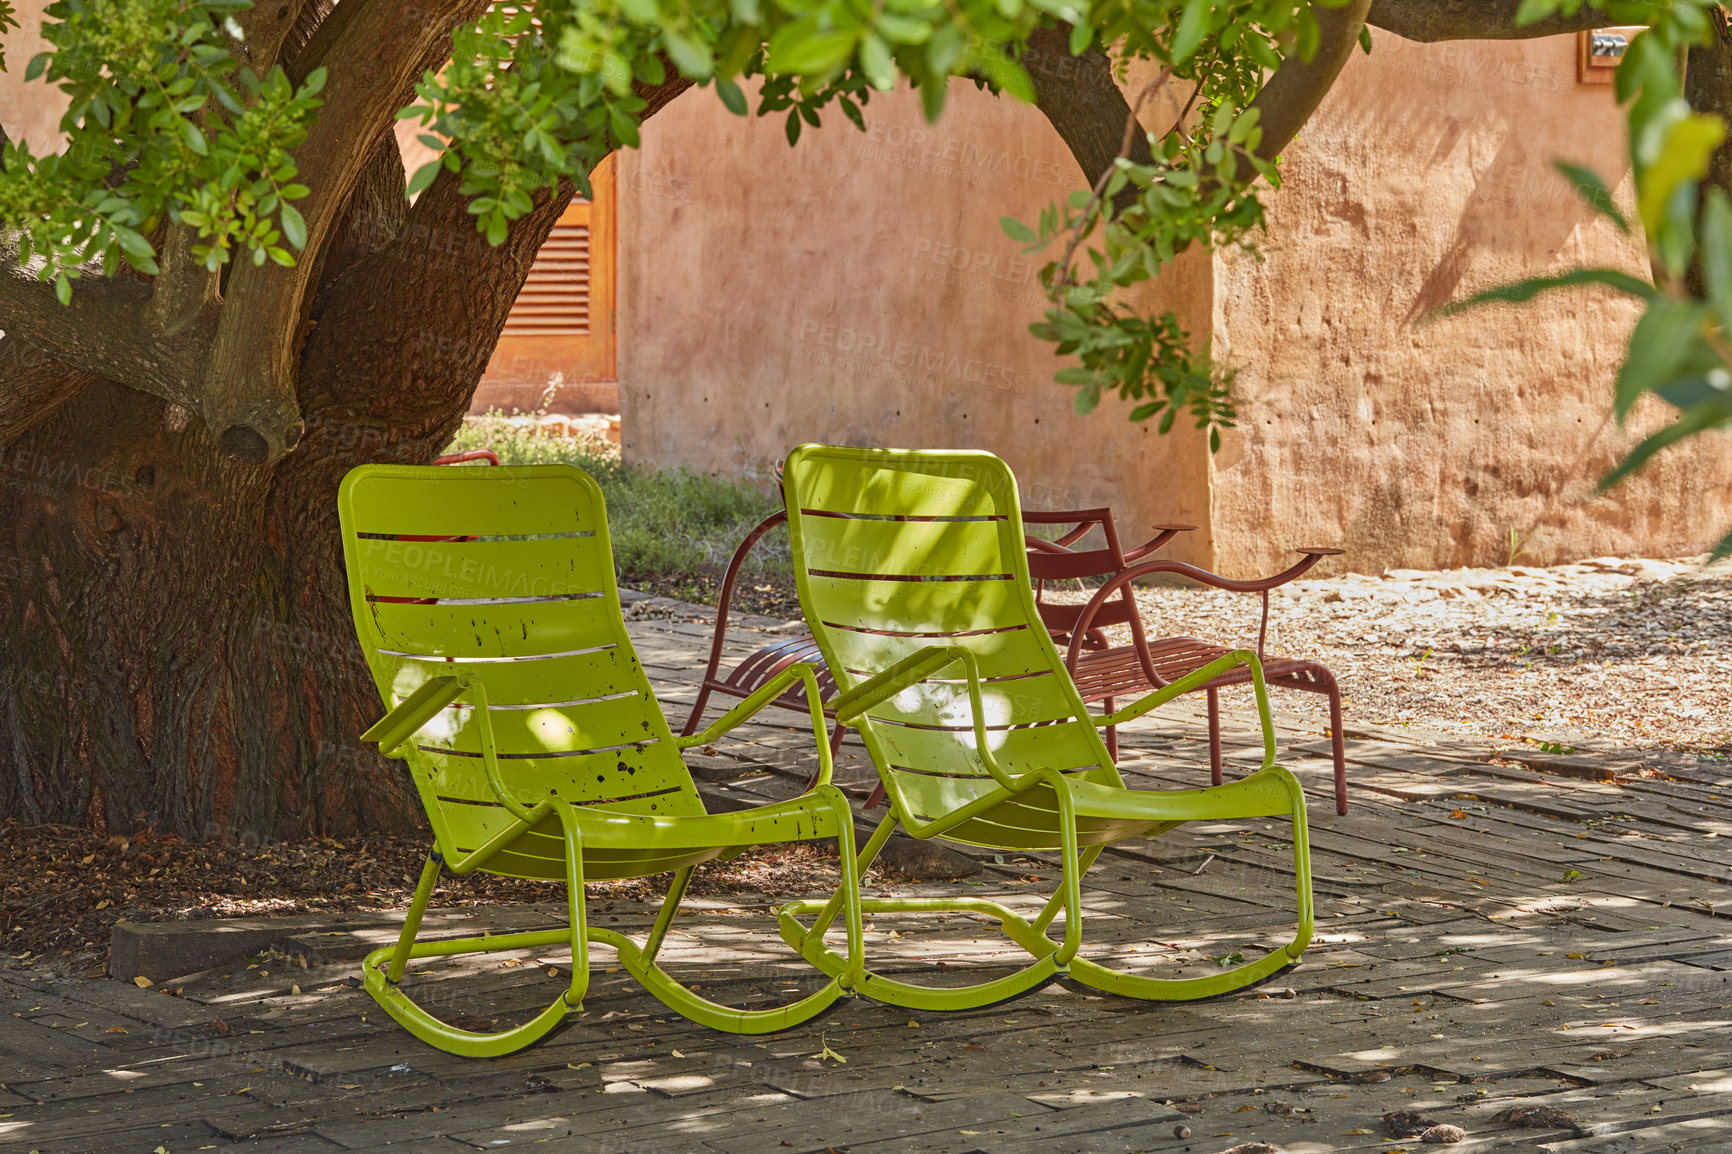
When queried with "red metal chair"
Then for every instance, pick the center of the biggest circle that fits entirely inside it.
(1103, 671)
(752, 673)
(487, 455)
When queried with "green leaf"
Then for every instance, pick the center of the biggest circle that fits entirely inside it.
(732, 97)
(1532, 10)
(423, 177)
(793, 127)
(691, 56)
(946, 48)
(62, 289)
(875, 62)
(1016, 230)
(192, 137)
(1365, 39)
(1193, 26)
(1593, 192)
(294, 225)
(800, 49)
(902, 29)
(1690, 142)
(1526, 290)
(1665, 341)
(1081, 36)
(1716, 255)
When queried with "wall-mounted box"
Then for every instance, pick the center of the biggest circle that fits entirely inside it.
(1600, 51)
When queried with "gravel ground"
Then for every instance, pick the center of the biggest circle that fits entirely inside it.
(1607, 653)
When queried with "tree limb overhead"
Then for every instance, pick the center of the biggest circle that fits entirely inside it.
(1293, 92)
(1431, 21)
(1082, 101)
(375, 50)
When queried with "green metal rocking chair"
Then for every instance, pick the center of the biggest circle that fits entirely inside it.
(486, 604)
(913, 575)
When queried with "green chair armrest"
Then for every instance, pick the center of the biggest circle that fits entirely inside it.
(1195, 680)
(887, 683)
(921, 666)
(765, 694)
(415, 711)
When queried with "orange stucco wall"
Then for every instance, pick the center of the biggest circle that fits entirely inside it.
(1425, 176)
(858, 288)
(30, 112)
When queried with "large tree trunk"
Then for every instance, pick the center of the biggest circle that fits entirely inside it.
(179, 646)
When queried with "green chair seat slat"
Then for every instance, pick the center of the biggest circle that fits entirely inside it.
(604, 670)
(903, 548)
(1011, 653)
(922, 485)
(543, 567)
(410, 502)
(493, 631)
(597, 778)
(946, 703)
(567, 729)
(927, 607)
(1066, 745)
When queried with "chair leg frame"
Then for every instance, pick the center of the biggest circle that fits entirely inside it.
(383, 969)
(1052, 959)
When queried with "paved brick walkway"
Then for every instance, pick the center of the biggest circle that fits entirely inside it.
(1456, 974)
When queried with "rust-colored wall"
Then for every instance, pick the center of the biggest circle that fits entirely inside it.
(747, 270)
(858, 288)
(1425, 176)
(30, 112)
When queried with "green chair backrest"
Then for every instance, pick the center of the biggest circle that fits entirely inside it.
(895, 551)
(506, 575)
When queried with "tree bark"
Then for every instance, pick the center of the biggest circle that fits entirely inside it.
(1431, 21)
(1708, 88)
(180, 652)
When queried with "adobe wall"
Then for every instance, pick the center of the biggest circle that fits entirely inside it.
(858, 288)
(29, 112)
(1425, 176)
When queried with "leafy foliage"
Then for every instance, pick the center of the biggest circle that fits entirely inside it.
(164, 122)
(1681, 348)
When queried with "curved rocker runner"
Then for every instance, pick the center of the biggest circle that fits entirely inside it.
(913, 574)
(486, 605)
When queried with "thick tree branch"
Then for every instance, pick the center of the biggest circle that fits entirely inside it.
(268, 25)
(32, 386)
(1295, 89)
(1083, 102)
(374, 50)
(184, 288)
(1430, 21)
(105, 331)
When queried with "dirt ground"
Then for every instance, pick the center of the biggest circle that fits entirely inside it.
(1608, 653)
